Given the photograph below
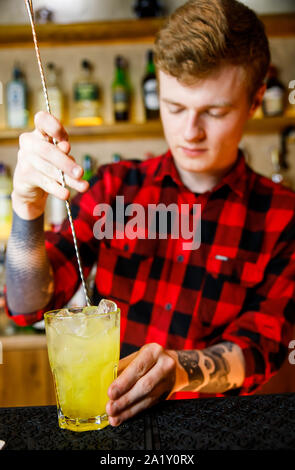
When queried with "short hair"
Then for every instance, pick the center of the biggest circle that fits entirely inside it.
(202, 35)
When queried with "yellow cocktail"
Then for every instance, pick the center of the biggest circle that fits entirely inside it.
(83, 348)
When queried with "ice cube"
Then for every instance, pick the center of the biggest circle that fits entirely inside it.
(77, 324)
(62, 312)
(106, 306)
(93, 310)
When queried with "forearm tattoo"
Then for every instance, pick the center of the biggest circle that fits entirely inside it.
(213, 370)
(29, 277)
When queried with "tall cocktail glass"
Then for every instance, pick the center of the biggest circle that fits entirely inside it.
(83, 349)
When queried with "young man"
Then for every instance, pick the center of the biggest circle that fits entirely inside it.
(212, 320)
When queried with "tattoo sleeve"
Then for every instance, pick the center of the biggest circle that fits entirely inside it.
(215, 369)
(29, 278)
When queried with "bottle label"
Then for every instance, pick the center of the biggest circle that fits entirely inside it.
(151, 99)
(55, 100)
(17, 114)
(56, 211)
(273, 101)
(121, 99)
(86, 92)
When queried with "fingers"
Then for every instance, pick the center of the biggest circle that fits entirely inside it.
(49, 178)
(50, 126)
(33, 147)
(149, 375)
(116, 420)
(142, 362)
(147, 391)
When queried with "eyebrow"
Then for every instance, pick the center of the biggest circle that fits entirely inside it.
(222, 104)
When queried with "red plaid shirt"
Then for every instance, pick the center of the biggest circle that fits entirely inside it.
(238, 286)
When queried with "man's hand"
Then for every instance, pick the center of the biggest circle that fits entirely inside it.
(152, 373)
(37, 171)
(144, 378)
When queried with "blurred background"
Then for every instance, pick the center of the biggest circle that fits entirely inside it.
(98, 61)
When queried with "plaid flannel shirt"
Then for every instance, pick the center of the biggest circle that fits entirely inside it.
(237, 286)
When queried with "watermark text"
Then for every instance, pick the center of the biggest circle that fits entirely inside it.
(151, 221)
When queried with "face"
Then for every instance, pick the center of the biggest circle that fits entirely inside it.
(203, 123)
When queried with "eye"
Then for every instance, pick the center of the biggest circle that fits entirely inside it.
(173, 109)
(216, 113)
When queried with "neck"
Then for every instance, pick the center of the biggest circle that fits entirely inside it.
(201, 182)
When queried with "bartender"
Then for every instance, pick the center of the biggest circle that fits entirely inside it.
(215, 320)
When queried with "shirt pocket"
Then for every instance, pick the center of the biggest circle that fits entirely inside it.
(235, 270)
(226, 284)
(123, 268)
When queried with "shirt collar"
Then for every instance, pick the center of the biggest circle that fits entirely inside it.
(236, 178)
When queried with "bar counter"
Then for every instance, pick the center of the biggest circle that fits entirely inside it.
(257, 422)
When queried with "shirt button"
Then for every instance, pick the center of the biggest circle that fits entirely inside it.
(126, 247)
(180, 258)
(168, 306)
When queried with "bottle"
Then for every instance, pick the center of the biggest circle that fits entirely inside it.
(17, 100)
(290, 111)
(279, 173)
(5, 202)
(56, 213)
(147, 8)
(55, 94)
(273, 102)
(150, 89)
(121, 91)
(87, 99)
(116, 157)
(88, 167)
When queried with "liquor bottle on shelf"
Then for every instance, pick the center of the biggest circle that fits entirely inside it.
(290, 111)
(148, 8)
(87, 99)
(273, 103)
(5, 202)
(55, 213)
(55, 94)
(279, 173)
(116, 157)
(88, 167)
(121, 91)
(150, 89)
(17, 100)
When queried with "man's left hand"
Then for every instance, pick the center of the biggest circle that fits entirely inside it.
(143, 379)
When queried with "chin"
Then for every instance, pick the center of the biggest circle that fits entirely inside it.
(195, 165)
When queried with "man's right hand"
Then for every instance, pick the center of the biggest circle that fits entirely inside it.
(37, 171)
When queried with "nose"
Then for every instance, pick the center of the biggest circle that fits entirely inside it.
(194, 130)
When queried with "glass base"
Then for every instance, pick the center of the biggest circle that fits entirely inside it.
(85, 424)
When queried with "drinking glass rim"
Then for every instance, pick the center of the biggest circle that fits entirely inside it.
(52, 313)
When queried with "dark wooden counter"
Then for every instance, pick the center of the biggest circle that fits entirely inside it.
(258, 422)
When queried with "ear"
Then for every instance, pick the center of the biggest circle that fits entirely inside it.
(257, 100)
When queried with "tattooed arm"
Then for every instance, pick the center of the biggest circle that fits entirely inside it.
(215, 369)
(29, 277)
(153, 373)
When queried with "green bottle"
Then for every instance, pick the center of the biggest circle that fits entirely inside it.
(150, 89)
(121, 91)
(88, 168)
